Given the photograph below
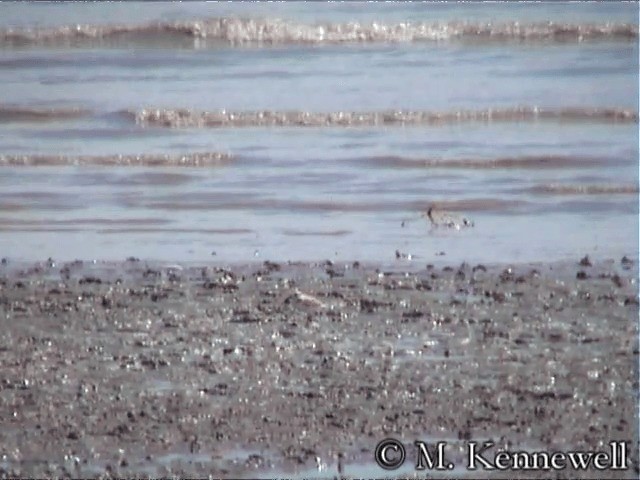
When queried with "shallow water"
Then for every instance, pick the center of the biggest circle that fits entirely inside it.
(233, 132)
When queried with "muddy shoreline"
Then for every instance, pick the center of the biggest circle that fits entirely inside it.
(146, 369)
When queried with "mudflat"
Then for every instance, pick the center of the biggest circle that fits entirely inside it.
(263, 370)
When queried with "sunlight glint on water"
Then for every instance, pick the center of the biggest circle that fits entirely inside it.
(537, 187)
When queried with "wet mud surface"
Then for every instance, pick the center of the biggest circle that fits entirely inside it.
(263, 370)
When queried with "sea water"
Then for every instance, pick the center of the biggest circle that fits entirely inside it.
(328, 128)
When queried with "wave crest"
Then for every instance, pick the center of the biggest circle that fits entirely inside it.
(184, 118)
(242, 31)
(188, 160)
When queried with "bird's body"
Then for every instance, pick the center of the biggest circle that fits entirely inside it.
(306, 299)
(440, 218)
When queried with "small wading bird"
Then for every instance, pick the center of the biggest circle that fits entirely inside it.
(444, 219)
(305, 299)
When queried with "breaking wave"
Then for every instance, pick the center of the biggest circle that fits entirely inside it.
(184, 118)
(188, 160)
(244, 31)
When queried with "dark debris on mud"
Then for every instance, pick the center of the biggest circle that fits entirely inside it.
(139, 369)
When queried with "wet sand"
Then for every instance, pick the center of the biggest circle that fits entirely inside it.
(263, 370)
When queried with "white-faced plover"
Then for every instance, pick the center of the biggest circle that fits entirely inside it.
(440, 218)
(305, 299)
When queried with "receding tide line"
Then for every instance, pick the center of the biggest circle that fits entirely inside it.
(185, 118)
(207, 159)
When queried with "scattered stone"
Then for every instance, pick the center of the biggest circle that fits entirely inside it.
(585, 262)
(617, 281)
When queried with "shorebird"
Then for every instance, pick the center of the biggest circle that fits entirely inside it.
(305, 299)
(440, 218)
